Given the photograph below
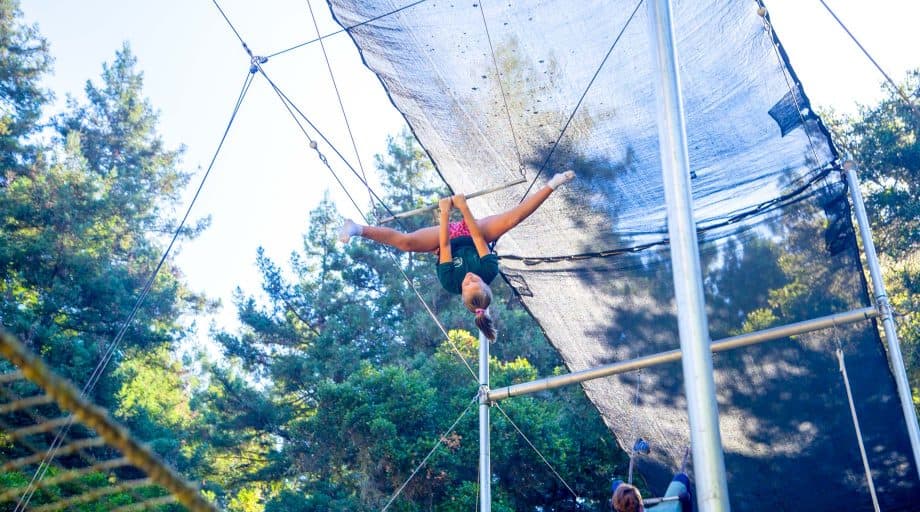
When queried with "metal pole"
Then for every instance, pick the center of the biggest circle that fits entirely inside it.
(881, 302)
(742, 340)
(708, 460)
(485, 465)
(859, 439)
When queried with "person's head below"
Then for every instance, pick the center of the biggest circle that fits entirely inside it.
(477, 296)
(626, 498)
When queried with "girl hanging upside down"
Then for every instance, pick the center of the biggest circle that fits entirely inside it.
(465, 264)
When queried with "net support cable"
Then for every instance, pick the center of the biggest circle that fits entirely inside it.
(791, 83)
(431, 452)
(346, 29)
(899, 90)
(537, 451)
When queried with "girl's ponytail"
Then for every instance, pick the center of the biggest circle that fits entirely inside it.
(478, 304)
(484, 323)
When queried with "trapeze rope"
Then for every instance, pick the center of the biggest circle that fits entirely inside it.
(346, 29)
(289, 105)
(338, 96)
(542, 457)
(577, 105)
(313, 144)
(110, 350)
(891, 82)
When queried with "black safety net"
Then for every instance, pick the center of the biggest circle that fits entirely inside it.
(501, 89)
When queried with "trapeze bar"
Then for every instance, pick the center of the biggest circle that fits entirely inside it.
(434, 206)
(655, 501)
(670, 356)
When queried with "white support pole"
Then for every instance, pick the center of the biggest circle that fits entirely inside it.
(485, 464)
(896, 360)
(708, 460)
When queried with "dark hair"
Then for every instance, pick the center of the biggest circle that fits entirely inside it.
(626, 499)
(479, 304)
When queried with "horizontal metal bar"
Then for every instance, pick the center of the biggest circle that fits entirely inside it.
(431, 207)
(655, 501)
(741, 340)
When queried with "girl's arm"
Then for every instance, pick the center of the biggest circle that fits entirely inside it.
(481, 247)
(443, 241)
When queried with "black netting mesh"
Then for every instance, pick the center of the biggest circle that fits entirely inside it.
(777, 242)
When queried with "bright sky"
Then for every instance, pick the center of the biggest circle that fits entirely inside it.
(266, 180)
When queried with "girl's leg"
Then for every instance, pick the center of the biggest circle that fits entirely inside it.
(495, 226)
(422, 240)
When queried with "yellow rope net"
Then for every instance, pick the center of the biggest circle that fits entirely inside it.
(98, 462)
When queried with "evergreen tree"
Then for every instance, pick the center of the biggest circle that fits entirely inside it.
(82, 226)
(24, 59)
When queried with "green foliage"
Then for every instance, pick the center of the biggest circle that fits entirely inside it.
(81, 228)
(79, 486)
(884, 139)
(82, 218)
(902, 279)
(24, 59)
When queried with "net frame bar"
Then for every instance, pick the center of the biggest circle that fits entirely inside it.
(670, 356)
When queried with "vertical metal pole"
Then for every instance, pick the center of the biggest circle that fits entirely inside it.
(485, 464)
(708, 460)
(884, 308)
